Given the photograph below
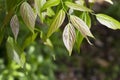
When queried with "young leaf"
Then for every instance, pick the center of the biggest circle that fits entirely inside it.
(79, 38)
(57, 22)
(38, 6)
(69, 36)
(14, 52)
(50, 3)
(108, 21)
(14, 24)
(28, 15)
(77, 6)
(80, 25)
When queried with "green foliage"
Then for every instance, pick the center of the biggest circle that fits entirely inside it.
(50, 3)
(14, 52)
(77, 6)
(53, 16)
(28, 15)
(108, 21)
(57, 22)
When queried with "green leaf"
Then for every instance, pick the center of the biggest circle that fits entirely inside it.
(81, 26)
(79, 39)
(81, 2)
(29, 39)
(38, 6)
(50, 3)
(77, 6)
(14, 52)
(108, 21)
(14, 24)
(23, 59)
(86, 18)
(28, 15)
(48, 43)
(50, 12)
(69, 36)
(57, 22)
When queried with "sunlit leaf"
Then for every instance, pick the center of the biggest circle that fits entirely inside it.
(28, 15)
(91, 1)
(109, 1)
(80, 25)
(50, 3)
(14, 24)
(38, 6)
(77, 6)
(57, 22)
(108, 21)
(50, 12)
(16, 57)
(23, 59)
(69, 36)
(81, 2)
(101, 1)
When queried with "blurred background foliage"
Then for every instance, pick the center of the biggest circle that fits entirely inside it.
(98, 62)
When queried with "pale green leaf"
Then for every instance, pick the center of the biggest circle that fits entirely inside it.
(108, 21)
(28, 15)
(69, 37)
(14, 52)
(48, 43)
(80, 25)
(57, 22)
(50, 3)
(81, 2)
(109, 1)
(79, 38)
(77, 6)
(29, 39)
(38, 6)
(50, 12)
(23, 59)
(14, 24)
